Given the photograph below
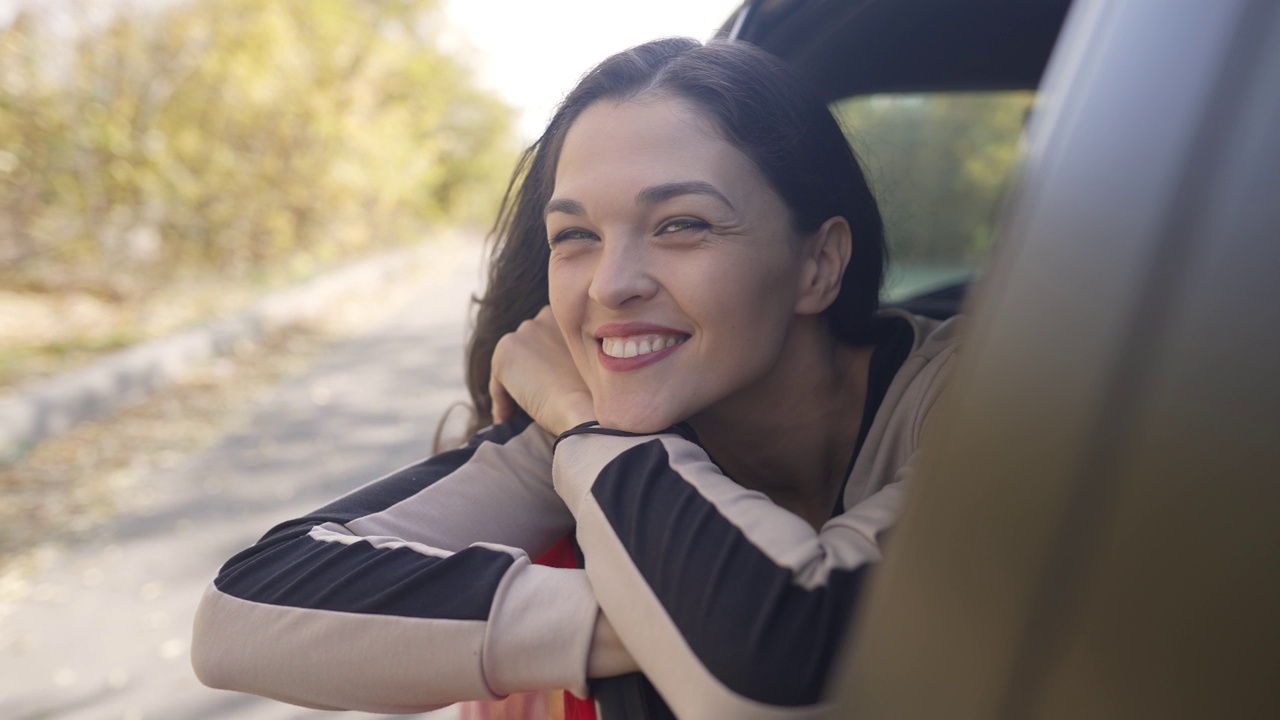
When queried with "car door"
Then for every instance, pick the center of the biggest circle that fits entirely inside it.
(1095, 535)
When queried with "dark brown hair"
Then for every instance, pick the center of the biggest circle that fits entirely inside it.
(759, 106)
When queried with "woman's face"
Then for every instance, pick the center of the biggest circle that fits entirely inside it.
(674, 270)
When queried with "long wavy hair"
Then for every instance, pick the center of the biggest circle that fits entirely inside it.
(761, 107)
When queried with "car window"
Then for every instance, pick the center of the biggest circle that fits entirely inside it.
(939, 164)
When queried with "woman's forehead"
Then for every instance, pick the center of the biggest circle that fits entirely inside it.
(633, 144)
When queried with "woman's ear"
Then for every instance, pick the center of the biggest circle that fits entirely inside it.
(826, 255)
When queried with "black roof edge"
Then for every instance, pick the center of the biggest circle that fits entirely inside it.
(855, 47)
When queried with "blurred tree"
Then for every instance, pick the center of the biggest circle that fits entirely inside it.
(939, 164)
(233, 134)
(33, 133)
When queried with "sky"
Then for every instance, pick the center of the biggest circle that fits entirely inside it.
(531, 52)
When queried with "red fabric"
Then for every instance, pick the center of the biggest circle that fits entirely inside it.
(562, 555)
(576, 708)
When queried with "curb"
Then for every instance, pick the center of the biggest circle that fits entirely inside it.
(54, 405)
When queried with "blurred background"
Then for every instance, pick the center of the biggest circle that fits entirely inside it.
(237, 240)
(160, 161)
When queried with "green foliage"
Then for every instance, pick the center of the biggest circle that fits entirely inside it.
(234, 134)
(939, 164)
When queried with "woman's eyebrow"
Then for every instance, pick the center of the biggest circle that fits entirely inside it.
(659, 193)
(571, 207)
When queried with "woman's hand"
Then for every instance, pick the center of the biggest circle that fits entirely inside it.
(532, 369)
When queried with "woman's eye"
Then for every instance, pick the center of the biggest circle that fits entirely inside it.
(681, 225)
(571, 234)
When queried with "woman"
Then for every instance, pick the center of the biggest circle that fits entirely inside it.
(688, 375)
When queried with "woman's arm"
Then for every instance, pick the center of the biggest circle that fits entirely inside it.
(731, 605)
(412, 592)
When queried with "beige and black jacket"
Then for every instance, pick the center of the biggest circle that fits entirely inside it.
(417, 590)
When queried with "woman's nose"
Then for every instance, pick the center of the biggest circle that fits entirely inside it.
(622, 274)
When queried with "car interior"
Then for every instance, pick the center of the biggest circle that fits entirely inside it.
(963, 74)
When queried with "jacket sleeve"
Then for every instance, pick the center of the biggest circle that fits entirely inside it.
(732, 606)
(410, 593)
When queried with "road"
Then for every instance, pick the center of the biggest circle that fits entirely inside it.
(105, 629)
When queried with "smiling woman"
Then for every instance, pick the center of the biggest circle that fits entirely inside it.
(715, 281)
(679, 365)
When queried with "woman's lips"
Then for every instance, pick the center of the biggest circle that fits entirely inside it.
(628, 346)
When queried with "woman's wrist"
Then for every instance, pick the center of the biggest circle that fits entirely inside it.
(576, 412)
(608, 656)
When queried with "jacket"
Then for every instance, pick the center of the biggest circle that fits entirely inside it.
(417, 590)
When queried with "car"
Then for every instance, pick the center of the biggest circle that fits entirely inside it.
(1095, 535)
(928, 90)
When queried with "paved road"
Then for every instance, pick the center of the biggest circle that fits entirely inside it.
(105, 632)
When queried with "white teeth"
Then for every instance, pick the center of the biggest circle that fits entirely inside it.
(641, 345)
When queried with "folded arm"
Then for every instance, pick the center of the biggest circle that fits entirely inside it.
(412, 592)
(731, 605)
